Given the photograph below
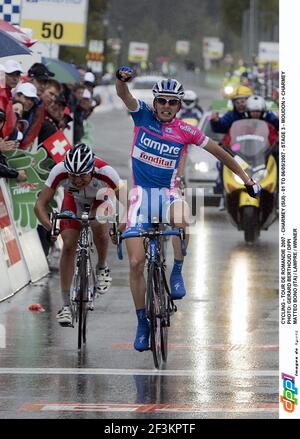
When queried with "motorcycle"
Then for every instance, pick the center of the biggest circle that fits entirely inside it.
(251, 149)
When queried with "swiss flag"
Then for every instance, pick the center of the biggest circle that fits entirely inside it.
(57, 145)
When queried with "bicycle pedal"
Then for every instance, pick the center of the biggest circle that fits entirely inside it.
(66, 325)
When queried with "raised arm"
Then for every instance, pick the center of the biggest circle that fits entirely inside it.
(125, 74)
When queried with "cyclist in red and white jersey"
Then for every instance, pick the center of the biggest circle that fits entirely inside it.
(85, 179)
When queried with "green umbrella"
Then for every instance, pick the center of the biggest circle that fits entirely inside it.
(64, 72)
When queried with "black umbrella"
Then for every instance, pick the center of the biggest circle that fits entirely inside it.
(10, 47)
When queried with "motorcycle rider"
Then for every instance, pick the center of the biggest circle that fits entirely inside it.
(223, 124)
(239, 100)
(190, 109)
(256, 108)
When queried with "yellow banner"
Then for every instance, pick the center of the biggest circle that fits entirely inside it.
(56, 31)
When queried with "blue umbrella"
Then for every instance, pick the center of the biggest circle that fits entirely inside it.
(10, 47)
(64, 72)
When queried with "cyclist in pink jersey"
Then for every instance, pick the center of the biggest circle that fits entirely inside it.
(160, 139)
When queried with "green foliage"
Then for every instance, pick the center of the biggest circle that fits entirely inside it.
(162, 22)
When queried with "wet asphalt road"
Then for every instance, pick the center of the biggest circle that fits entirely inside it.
(223, 353)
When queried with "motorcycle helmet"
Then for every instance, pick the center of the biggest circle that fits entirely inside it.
(190, 100)
(168, 87)
(242, 92)
(80, 159)
(256, 103)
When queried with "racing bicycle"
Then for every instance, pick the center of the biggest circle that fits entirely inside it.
(83, 288)
(159, 304)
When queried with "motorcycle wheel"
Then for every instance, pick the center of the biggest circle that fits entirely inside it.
(250, 223)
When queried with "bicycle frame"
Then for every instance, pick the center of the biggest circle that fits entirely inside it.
(159, 304)
(83, 284)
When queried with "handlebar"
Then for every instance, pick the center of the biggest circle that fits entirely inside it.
(147, 234)
(84, 218)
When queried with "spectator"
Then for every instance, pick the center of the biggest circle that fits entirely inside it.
(53, 119)
(90, 83)
(81, 113)
(26, 94)
(22, 124)
(38, 75)
(12, 70)
(75, 96)
(50, 93)
(8, 145)
(67, 118)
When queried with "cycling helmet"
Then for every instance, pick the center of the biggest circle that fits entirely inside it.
(242, 92)
(256, 103)
(190, 100)
(168, 87)
(80, 159)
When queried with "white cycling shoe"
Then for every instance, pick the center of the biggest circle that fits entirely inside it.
(64, 316)
(103, 280)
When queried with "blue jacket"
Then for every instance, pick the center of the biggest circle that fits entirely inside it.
(224, 123)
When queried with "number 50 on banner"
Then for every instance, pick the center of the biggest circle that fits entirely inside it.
(57, 32)
(42, 18)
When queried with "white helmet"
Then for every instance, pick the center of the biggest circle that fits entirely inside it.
(168, 87)
(80, 159)
(190, 100)
(256, 103)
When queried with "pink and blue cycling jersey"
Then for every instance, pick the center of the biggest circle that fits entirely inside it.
(159, 147)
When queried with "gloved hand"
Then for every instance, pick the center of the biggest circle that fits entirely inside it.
(253, 188)
(125, 73)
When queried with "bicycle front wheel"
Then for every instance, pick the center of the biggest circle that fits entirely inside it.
(153, 313)
(164, 321)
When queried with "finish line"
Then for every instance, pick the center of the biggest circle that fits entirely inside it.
(153, 372)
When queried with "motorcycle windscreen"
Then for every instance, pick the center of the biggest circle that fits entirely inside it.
(250, 141)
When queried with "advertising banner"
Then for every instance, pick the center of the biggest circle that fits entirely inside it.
(24, 194)
(14, 273)
(7, 233)
(183, 47)
(213, 48)
(138, 52)
(62, 22)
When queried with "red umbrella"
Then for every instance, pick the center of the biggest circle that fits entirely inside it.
(16, 33)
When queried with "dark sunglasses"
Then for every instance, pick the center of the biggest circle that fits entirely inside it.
(79, 175)
(171, 102)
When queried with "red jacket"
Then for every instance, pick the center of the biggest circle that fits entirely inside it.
(34, 129)
(6, 105)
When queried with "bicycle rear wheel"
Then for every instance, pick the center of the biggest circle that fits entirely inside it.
(82, 306)
(153, 313)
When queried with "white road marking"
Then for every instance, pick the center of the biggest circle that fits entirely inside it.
(97, 371)
(152, 408)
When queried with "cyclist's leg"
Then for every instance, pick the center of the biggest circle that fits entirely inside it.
(136, 255)
(70, 238)
(178, 216)
(101, 238)
(70, 231)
